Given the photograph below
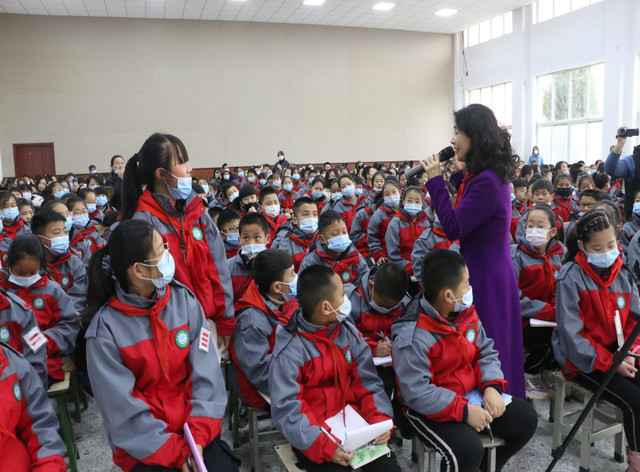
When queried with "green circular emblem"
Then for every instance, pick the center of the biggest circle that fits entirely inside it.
(17, 391)
(470, 335)
(64, 281)
(555, 274)
(347, 356)
(182, 338)
(346, 276)
(38, 303)
(621, 302)
(5, 258)
(5, 334)
(197, 233)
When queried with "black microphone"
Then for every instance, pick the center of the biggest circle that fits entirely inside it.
(444, 155)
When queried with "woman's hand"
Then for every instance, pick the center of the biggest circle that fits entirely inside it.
(431, 165)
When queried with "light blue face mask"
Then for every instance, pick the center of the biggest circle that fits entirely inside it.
(59, 194)
(293, 287)
(296, 176)
(68, 223)
(339, 243)
(59, 245)
(241, 174)
(603, 260)
(26, 195)
(413, 208)
(636, 208)
(167, 268)
(277, 183)
(343, 311)
(309, 226)
(263, 182)
(80, 221)
(349, 191)
(336, 196)
(91, 207)
(101, 200)
(10, 214)
(392, 201)
(465, 302)
(183, 190)
(233, 238)
(287, 187)
(252, 180)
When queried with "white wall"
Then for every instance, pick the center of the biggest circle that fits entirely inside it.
(606, 32)
(234, 92)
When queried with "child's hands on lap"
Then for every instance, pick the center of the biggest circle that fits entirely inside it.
(383, 349)
(493, 402)
(477, 417)
(340, 457)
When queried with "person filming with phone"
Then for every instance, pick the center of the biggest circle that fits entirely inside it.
(627, 168)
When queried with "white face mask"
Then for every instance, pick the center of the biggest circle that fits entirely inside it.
(24, 282)
(343, 311)
(293, 287)
(309, 226)
(167, 267)
(465, 302)
(537, 236)
(252, 249)
(272, 210)
(603, 260)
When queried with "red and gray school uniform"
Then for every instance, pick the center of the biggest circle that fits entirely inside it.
(86, 242)
(71, 274)
(198, 251)
(287, 199)
(296, 243)
(350, 266)
(517, 211)
(153, 367)
(56, 316)
(241, 275)
(320, 202)
(536, 274)
(358, 233)
(438, 361)
(19, 329)
(564, 207)
(5, 242)
(586, 302)
(401, 235)
(15, 229)
(521, 230)
(369, 322)
(347, 209)
(275, 226)
(629, 230)
(29, 439)
(257, 318)
(430, 239)
(315, 372)
(230, 250)
(633, 255)
(377, 229)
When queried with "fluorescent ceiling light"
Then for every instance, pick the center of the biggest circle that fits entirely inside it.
(446, 12)
(383, 6)
(313, 3)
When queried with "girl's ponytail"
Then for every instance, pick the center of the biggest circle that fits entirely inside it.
(131, 188)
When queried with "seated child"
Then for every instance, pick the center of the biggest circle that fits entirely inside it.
(380, 220)
(270, 208)
(254, 237)
(12, 225)
(30, 439)
(431, 238)
(563, 204)
(440, 354)
(519, 203)
(26, 210)
(83, 235)
(270, 300)
(301, 233)
(103, 204)
(541, 192)
(316, 193)
(594, 288)
(358, 233)
(320, 365)
(333, 248)
(228, 223)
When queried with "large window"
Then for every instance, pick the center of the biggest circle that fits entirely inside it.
(569, 114)
(497, 97)
(489, 29)
(544, 10)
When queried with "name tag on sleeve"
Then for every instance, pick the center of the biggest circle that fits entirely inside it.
(35, 339)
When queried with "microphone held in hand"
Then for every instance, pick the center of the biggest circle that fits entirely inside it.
(444, 155)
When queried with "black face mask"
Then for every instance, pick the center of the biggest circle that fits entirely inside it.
(564, 192)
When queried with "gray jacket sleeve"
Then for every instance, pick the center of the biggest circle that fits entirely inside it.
(66, 331)
(392, 238)
(251, 341)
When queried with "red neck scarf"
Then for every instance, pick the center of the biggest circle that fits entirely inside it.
(305, 243)
(351, 259)
(11, 230)
(159, 330)
(252, 298)
(467, 177)
(566, 206)
(603, 284)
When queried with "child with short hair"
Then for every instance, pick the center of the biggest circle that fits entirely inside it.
(350, 203)
(247, 201)
(595, 291)
(405, 228)
(12, 224)
(315, 191)
(358, 233)
(334, 249)
(440, 354)
(103, 205)
(228, 224)
(254, 237)
(270, 300)
(380, 220)
(288, 194)
(563, 202)
(320, 365)
(26, 209)
(83, 235)
(541, 193)
(302, 231)
(519, 203)
(270, 208)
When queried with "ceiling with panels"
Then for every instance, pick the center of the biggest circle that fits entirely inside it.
(410, 15)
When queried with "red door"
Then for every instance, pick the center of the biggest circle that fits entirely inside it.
(34, 159)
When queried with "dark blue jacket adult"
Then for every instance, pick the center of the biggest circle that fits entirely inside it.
(627, 169)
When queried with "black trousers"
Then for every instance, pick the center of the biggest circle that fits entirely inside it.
(217, 456)
(624, 393)
(382, 464)
(538, 343)
(460, 445)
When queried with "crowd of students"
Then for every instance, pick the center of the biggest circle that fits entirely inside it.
(306, 275)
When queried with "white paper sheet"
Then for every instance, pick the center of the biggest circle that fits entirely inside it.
(542, 324)
(382, 361)
(354, 431)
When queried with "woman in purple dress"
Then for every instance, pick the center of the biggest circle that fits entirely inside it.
(480, 219)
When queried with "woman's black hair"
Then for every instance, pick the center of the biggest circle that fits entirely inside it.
(23, 246)
(490, 144)
(156, 152)
(130, 242)
(591, 222)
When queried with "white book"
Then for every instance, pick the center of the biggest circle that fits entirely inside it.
(353, 430)
(382, 361)
(542, 324)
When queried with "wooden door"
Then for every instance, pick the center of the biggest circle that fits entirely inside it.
(34, 159)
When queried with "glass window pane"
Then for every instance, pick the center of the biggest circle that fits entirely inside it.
(578, 143)
(485, 97)
(545, 83)
(561, 96)
(579, 79)
(545, 10)
(534, 13)
(560, 143)
(508, 104)
(485, 31)
(474, 32)
(508, 22)
(577, 4)
(498, 102)
(544, 143)
(474, 96)
(594, 142)
(497, 27)
(596, 90)
(561, 7)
